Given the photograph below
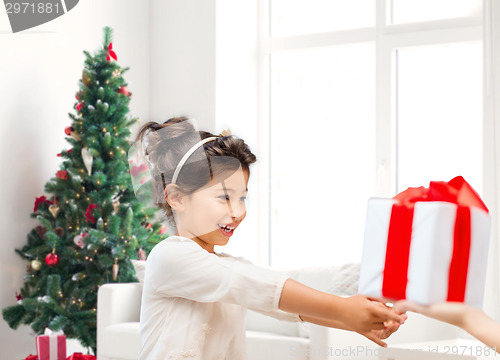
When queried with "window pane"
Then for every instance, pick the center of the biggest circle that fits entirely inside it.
(439, 101)
(406, 11)
(322, 153)
(299, 17)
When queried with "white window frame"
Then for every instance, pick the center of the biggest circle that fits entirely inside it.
(389, 38)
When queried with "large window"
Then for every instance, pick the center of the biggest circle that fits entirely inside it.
(362, 98)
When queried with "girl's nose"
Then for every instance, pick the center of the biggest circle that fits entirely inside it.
(237, 210)
(239, 217)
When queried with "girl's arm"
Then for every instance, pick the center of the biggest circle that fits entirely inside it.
(472, 320)
(356, 313)
(325, 322)
(390, 328)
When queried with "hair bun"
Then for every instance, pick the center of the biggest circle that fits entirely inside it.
(177, 127)
(165, 144)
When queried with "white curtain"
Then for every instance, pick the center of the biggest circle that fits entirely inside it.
(491, 35)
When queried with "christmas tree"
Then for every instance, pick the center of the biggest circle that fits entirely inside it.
(92, 225)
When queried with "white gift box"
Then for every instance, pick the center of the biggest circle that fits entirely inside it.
(430, 251)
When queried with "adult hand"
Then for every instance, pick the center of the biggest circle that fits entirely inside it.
(451, 312)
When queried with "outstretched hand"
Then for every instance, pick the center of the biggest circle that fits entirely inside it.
(451, 312)
(390, 328)
(372, 318)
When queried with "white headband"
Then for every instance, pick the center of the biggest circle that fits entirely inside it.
(187, 155)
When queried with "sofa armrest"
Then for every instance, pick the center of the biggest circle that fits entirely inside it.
(117, 303)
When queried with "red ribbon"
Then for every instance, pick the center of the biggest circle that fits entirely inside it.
(456, 191)
(111, 53)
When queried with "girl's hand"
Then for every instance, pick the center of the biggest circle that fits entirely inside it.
(371, 318)
(390, 327)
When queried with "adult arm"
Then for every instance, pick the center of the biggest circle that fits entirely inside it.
(472, 320)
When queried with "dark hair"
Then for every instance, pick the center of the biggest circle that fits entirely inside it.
(165, 149)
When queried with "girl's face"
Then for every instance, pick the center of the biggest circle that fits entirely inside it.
(210, 215)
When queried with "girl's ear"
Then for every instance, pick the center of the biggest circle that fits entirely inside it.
(174, 197)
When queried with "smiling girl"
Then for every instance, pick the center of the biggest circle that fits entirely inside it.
(194, 299)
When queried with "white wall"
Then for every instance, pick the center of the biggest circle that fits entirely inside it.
(39, 72)
(183, 60)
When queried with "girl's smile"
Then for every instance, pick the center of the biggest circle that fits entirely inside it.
(211, 215)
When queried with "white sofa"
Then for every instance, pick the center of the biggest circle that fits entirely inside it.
(118, 336)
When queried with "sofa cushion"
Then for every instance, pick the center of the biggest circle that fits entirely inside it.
(262, 345)
(341, 280)
(121, 341)
(256, 321)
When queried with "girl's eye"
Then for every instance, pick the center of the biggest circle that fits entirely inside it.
(227, 198)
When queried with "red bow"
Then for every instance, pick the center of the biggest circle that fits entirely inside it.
(88, 213)
(111, 53)
(456, 191)
(40, 200)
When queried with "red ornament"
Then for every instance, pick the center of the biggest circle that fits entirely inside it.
(79, 106)
(68, 130)
(111, 53)
(32, 357)
(78, 94)
(52, 259)
(163, 229)
(18, 296)
(62, 174)
(123, 90)
(88, 213)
